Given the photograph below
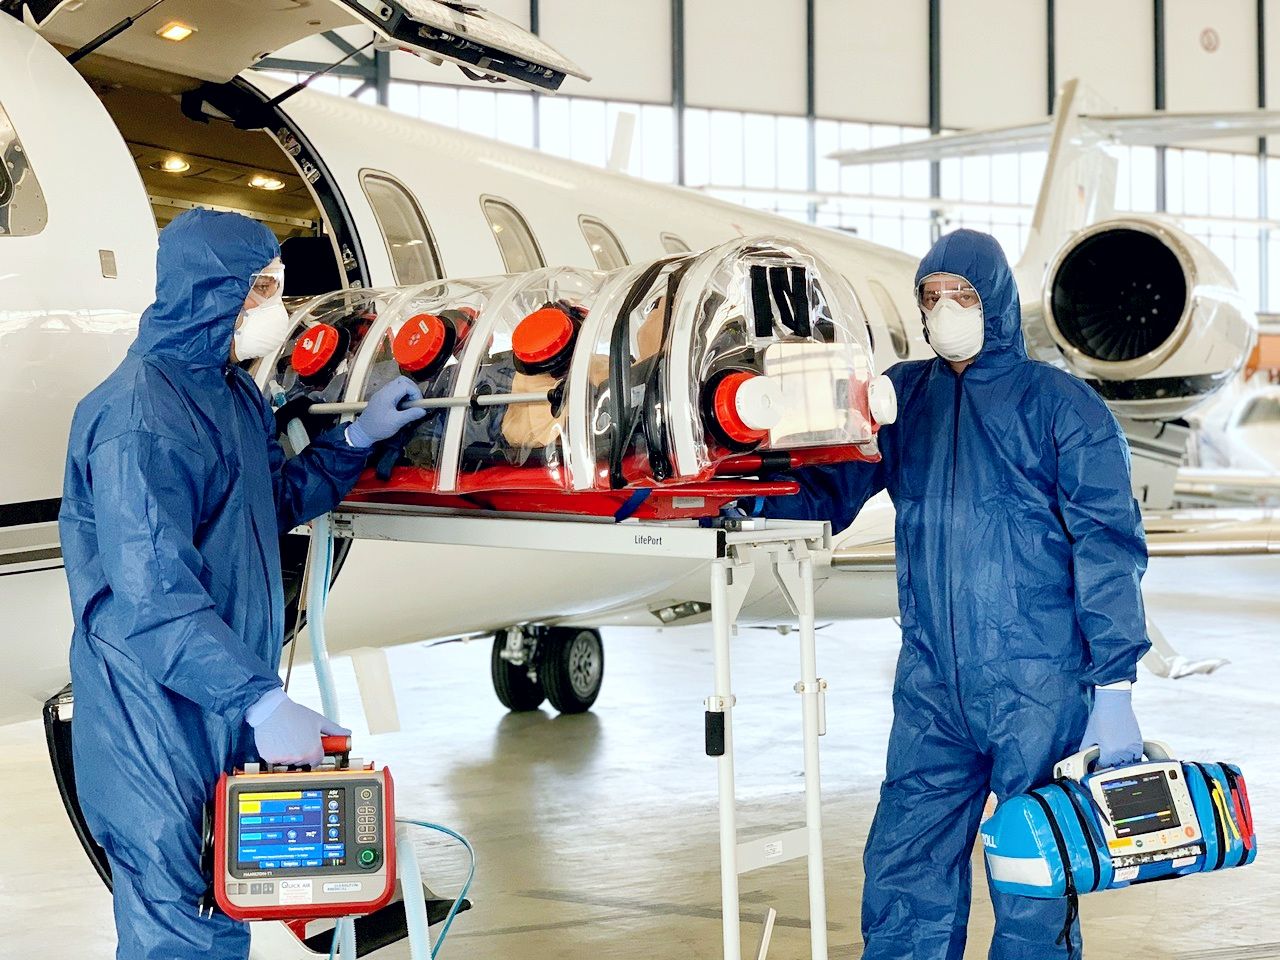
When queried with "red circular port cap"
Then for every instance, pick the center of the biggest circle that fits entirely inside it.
(726, 409)
(314, 349)
(419, 342)
(542, 335)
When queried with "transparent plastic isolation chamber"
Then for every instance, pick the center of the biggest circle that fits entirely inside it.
(664, 385)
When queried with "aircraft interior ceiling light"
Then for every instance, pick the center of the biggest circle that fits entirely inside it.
(263, 182)
(175, 30)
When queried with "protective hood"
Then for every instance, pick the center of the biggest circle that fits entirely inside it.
(203, 269)
(979, 259)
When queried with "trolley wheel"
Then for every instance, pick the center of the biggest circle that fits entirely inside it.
(511, 683)
(571, 668)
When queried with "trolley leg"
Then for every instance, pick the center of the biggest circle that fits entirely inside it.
(796, 578)
(814, 726)
(722, 617)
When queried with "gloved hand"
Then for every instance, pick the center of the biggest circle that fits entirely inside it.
(383, 416)
(1113, 728)
(288, 733)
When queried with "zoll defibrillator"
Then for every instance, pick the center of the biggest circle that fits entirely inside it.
(1090, 831)
(304, 844)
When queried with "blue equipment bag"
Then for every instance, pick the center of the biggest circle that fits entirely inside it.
(1089, 831)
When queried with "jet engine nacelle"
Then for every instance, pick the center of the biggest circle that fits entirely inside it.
(1148, 315)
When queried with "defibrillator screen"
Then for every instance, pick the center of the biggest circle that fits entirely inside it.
(281, 830)
(1140, 804)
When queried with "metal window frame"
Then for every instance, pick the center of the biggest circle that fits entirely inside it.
(488, 198)
(24, 211)
(372, 173)
(585, 219)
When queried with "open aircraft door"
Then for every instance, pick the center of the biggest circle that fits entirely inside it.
(214, 40)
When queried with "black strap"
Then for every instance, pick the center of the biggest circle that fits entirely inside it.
(1219, 830)
(761, 302)
(1073, 898)
(1066, 786)
(619, 369)
(785, 288)
(792, 296)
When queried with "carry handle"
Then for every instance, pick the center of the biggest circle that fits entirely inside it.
(335, 745)
(1077, 766)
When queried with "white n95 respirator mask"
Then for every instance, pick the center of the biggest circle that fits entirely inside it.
(955, 332)
(264, 321)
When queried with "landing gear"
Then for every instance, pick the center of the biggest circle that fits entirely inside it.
(562, 664)
(513, 670)
(572, 668)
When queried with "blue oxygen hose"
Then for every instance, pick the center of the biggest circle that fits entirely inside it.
(344, 931)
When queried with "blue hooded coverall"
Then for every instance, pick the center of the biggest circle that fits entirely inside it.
(175, 494)
(1019, 555)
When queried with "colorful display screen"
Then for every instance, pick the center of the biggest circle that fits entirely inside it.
(1140, 804)
(283, 830)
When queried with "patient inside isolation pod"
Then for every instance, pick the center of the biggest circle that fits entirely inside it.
(730, 353)
(530, 341)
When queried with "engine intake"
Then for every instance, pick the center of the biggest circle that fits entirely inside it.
(1118, 296)
(1148, 315)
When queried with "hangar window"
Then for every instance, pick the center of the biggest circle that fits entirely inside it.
(23, 212)
(673, 244)
(414, 256)
(515, 240)
(605, 246)
(893, 320)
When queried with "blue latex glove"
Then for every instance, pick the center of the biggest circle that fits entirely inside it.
(383, 417)
(1113, 728)
(288, 733)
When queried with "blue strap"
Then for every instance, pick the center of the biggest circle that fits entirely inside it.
(638, 497)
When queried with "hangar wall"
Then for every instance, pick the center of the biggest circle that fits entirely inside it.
(746, 98)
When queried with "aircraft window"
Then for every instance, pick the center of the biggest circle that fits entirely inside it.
(515, 240)
(23, 212)
(892, 319)
(673, 244)
(414, 257)
(604, 243)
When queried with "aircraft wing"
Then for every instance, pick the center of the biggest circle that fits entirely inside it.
(1157, 128)
(1226, 487)
(1197, 532)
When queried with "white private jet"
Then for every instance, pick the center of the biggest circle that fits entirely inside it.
(98, 152)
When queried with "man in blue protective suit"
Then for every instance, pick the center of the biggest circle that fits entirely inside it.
(1019, 556)
(175, 494)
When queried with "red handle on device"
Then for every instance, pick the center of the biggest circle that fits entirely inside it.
(334, 745)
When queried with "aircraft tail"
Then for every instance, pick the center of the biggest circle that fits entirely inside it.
(1079, 182)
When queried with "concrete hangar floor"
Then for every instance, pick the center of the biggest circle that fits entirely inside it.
(597, 834)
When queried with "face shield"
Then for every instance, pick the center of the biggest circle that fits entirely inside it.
(264, 322)
(267, 284)
(952, 312)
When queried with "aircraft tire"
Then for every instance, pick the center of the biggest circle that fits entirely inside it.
(571, 668)
(512, 684)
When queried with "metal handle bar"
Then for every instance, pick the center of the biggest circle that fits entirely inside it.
(436, 403)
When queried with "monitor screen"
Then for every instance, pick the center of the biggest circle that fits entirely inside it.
(1140, 804)
(283, 830)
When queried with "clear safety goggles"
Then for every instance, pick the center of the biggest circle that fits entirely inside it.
(267, 283)
(945, 286)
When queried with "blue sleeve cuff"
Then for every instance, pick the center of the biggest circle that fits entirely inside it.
(357, 437)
